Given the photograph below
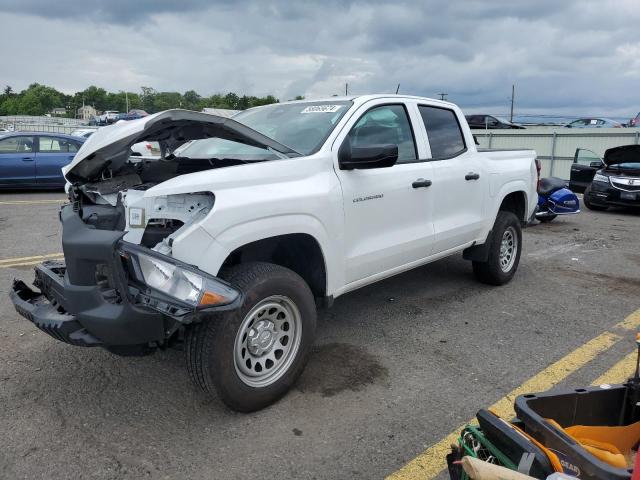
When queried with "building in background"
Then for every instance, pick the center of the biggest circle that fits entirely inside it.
(58, 112)
(86, 112)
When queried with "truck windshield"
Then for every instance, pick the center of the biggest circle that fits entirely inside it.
(303, 126)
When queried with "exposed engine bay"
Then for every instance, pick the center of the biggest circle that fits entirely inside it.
(109, 185)
(118, 202)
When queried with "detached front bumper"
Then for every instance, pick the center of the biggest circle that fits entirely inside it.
(48, 315)
(92, 300)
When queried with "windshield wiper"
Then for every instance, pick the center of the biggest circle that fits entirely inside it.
(280, 155)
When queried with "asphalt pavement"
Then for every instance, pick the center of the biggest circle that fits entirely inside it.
(397, 366)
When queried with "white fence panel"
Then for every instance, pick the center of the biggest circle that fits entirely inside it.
(556, 146)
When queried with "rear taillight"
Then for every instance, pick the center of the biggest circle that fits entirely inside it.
(148, 145)
(538, 169)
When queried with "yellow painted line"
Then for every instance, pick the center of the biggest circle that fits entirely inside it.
(632, 322)
(24, 261)
(431, 462)
(32, 202)
(35, 257)
(620, 372)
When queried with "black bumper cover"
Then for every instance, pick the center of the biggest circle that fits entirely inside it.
(606, 195)
(48, 317)
(77, 307)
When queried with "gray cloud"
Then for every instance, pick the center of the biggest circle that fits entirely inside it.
(574, 56)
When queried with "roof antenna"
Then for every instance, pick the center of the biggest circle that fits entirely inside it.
(346, 89)
(398, 89)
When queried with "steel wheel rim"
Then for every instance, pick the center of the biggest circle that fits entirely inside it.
(267, 341)
(508, 249)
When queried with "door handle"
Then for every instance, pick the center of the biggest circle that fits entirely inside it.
(27, 159)
(472, 176)
(421, 183)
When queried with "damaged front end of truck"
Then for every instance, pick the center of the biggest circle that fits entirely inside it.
(119, 286)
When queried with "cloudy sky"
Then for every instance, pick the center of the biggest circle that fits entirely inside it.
(565, 56)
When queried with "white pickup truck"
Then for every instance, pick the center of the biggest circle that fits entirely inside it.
(227, 245)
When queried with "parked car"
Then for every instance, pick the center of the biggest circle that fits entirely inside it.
(490, 121)
(83, 132)
(612, 180)
(230, 250)
(132, 115)
(635, 121)
(594, 123)
(146, 149)
(35, 159)
(108, 117)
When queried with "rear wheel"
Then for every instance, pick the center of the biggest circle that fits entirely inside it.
(589, 205)
(504, 251)
(252, 356)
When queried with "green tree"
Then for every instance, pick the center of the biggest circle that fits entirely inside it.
(147, 99)
(39, 99)
(167, 100)
(191, 100)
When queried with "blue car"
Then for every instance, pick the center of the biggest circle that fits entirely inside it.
(35, 159)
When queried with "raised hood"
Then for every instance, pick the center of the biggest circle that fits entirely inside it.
(110, 147)
(624, 154)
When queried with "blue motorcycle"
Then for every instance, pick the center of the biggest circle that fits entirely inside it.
(554, 198)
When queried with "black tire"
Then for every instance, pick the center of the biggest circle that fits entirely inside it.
(491, 272)
(210, 345)
(547, 219)
(589, 204)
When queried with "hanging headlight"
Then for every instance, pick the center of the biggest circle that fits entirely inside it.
(179, 281)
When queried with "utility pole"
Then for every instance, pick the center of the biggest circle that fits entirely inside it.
(443, 96)
(513, 94)
(126, 97)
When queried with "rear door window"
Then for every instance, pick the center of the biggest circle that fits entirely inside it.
(444, 132)
(56, 145)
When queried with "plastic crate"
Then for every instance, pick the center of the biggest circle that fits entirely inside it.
(593, 406)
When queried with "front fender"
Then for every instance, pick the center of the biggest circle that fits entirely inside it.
(216, 251)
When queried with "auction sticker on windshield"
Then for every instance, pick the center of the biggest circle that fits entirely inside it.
(321, 109)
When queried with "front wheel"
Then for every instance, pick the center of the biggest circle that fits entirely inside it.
(252, 356)
(504, 251)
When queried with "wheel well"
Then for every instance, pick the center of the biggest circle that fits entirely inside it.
(297, 251)
(516, 203)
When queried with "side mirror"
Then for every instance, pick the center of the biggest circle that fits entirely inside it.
(475, 140)
(596, 164)
(373, 156)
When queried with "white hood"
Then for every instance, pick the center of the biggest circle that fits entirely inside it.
(110, 147)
